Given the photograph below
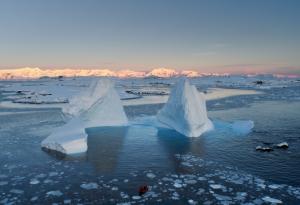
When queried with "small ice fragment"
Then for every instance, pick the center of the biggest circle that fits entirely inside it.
(192, 202)
(177, 185)
(34, 198)
(89, 186)
(216, 186)
(272, 200)
(283, 145)
(16, 191)
(136, 197)
(54, 193)
(34, 181)
(190, 181)
(187, 164)
(151, 175)
(274, 186)
(124, 196)
(114, 188)
(264, 149)
(263, 186)
(47, 181)
(41, 176)
(52, 174)
(166, 179)
(202, 179)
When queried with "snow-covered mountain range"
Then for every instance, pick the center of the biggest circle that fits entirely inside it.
(24, 73)
(33, 73)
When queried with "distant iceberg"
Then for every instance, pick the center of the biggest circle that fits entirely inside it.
(100, 105)
(185, 110)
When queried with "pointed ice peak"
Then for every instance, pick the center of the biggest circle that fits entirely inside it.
(96, 91)
(185, 110)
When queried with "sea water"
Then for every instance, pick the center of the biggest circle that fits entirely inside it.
(220, 167)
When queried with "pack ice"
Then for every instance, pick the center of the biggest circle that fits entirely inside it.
(185, 110)
(99, 105)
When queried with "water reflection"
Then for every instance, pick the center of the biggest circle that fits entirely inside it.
(121, 150)
(104, 146)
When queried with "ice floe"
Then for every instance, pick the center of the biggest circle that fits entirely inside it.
(55, 193)
(89, 186)
(272, 200)
(282, 145)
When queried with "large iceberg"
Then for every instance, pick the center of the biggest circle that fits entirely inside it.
(185, 110)
(99, 105)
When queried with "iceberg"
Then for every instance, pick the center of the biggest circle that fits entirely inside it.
(185, 110)
(100, 105)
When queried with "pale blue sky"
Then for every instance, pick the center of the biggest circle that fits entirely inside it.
(208, 35)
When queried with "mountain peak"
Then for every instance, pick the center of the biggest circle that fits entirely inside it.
(163, 72)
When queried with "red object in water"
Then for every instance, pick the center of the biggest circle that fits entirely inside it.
(143, 190)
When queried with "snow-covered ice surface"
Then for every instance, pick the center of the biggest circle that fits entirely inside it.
(185, 110)
(98, 106)
(220, 167)
(67, 139)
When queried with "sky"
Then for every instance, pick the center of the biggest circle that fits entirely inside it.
(234, 36)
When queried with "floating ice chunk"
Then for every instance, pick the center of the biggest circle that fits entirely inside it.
(185, 110)
(177, 185)
(53, 174)
(282, 145)
(100, 105)
(34, 181)
(192, 202)
(274, 186)
(34, 198)
(264, 149)
(202, 178)
(123, 195)
(216, 186)
(89, 186)
(54, 193)
(136, 197)
(190, 181)
(16, 191)
(150, 175)
(272, 200)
